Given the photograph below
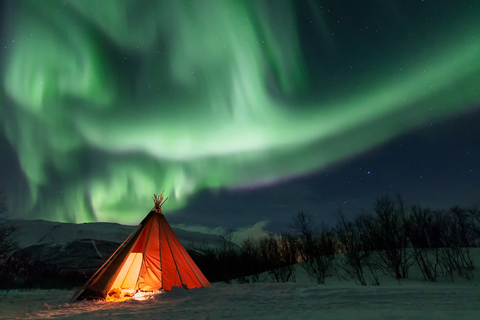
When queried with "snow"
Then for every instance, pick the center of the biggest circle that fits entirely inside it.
(409, 299)
(412, 298)
(34, 232)
(257, 301)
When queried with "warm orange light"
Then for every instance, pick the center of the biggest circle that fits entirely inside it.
(151, 258)
(128, 276)
(118, 295)
(145, 295)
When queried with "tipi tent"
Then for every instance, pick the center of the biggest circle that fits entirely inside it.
(151, 258)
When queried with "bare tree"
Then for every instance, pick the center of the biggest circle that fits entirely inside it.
(354, 255)
(251, 259)
(316, 250)
(424, 230)
(457, 238)
(289, 255)
(227, 255)
(473, 219)
(303, 225)
(228, 237)
(390, 237)
(278, 256)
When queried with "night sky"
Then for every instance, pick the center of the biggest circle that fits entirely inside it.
(244, 112)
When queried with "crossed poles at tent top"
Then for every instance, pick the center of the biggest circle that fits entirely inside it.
(159, 202)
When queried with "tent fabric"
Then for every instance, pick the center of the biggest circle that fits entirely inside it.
(151, 258)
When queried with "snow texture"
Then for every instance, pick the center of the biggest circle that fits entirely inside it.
(410, 299)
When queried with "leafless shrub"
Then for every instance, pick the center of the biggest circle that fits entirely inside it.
(424, 229)
(317, 250)
(251, 258)
(473, 219)
(227, 255)
(278, 256)
(354, 253)
(457, 237)
(389, 237)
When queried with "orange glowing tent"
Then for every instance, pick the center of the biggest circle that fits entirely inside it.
(151, 258)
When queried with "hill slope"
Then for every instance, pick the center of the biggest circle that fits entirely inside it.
(42, 232)
(85, 246)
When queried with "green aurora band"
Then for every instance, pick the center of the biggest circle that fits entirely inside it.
(107, 102)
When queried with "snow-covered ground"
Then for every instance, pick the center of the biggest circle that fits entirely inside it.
(411, 299)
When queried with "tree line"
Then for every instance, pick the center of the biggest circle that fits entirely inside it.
(388, 241)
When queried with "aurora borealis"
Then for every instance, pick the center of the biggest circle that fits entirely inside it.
(106, 102)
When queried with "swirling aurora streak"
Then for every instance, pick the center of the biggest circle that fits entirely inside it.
(107, 102)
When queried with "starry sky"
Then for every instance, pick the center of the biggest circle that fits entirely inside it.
(244, 112)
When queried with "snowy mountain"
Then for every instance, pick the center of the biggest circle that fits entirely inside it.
(41, 232)
(86, 246)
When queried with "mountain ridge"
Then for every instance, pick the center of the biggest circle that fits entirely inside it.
(44, 232)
